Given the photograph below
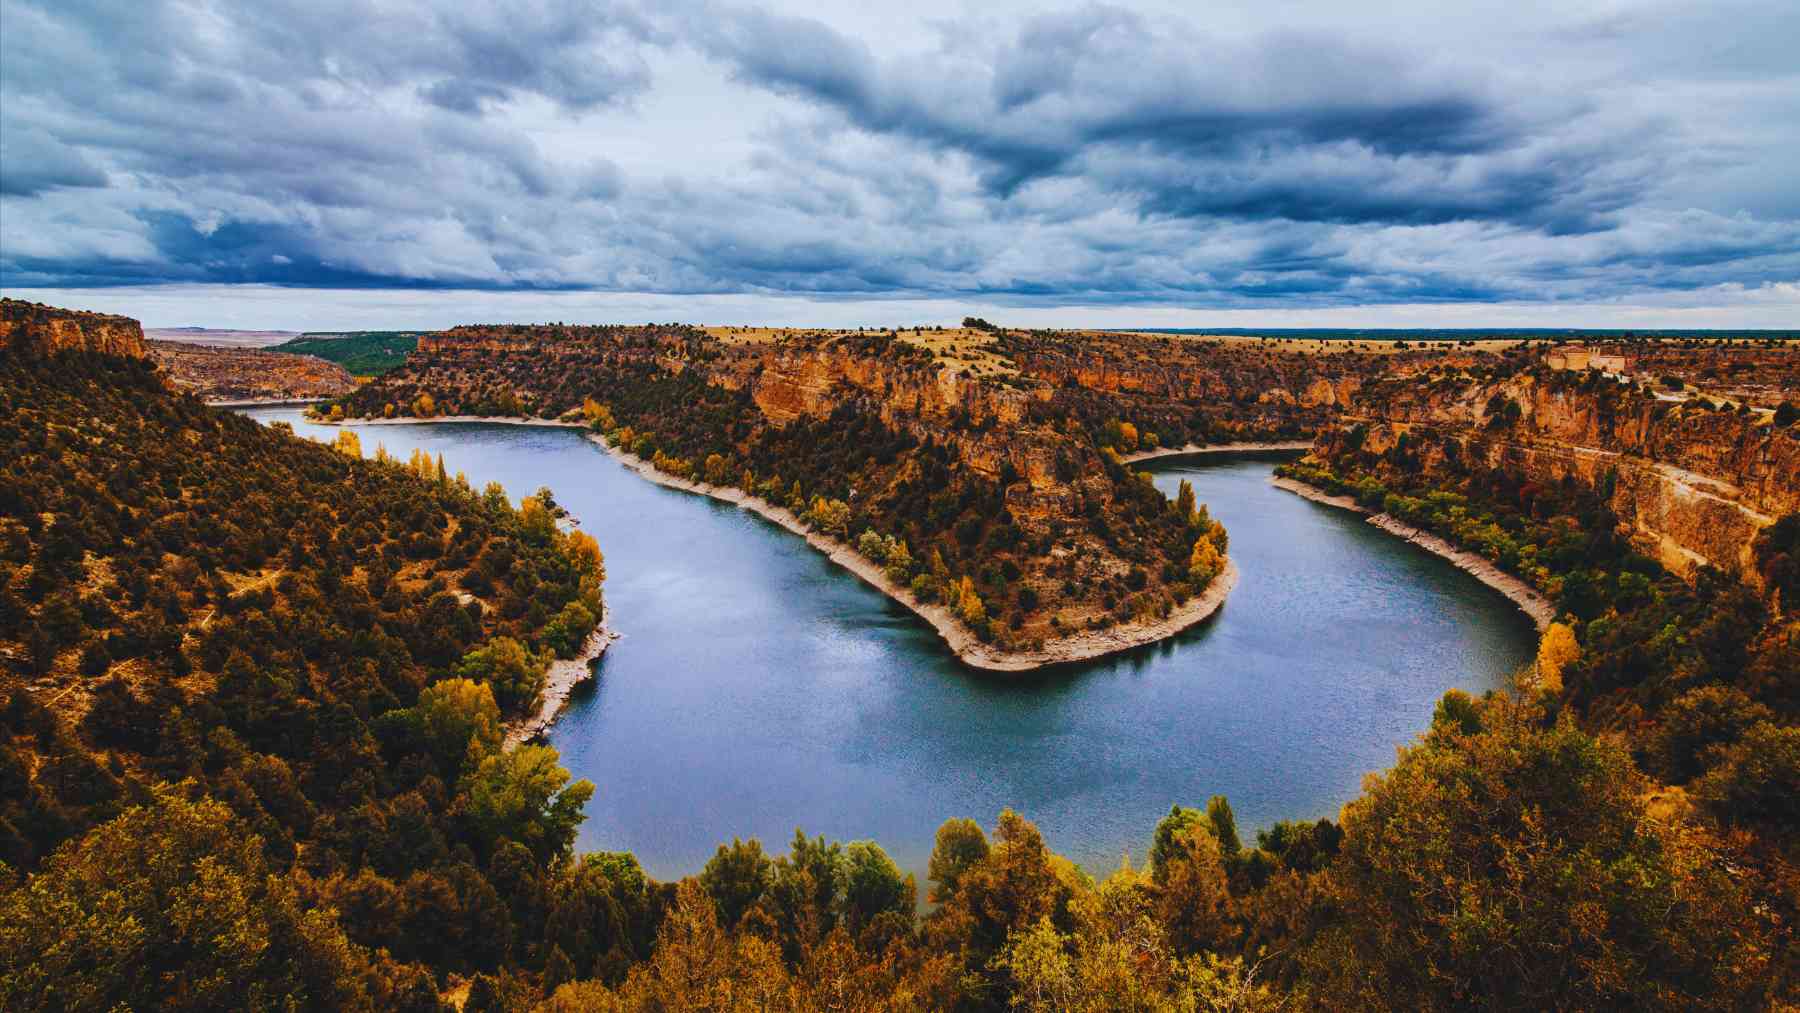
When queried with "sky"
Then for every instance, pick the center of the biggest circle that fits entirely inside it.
(319, 164)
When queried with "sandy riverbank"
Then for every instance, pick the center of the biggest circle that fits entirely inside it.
(1529, 599)
(560, 681)
(496, 420)
(1215, 448)
(961, 641)
(265, 402)
(1063, 650)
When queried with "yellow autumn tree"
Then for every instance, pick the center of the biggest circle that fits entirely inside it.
(1128, 436)
(421, 464)
(586, 552)
(1205, 562)
(599, 416)
(968, 603)
(536, 519)
(424, 407)
(1556, 650)
(347, 443)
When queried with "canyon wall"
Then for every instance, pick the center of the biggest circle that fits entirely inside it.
(1692, 485)
(36, 329)
(249, 374)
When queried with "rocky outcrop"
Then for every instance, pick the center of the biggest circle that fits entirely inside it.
(231, 375)
(1693, 485)
(35, 329)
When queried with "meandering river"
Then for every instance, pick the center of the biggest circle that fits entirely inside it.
(758, 687)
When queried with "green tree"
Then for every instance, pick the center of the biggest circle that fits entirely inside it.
(516, 675)
(736, 877)
(568, 629)
(1758, 782)
(874, 885)
(524, 795)
(1224, 825)
(960, 845)
(460, 721)
(1516, 867)
(171, 906)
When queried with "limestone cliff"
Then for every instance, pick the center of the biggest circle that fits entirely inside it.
(35, 329)
(1692, 484)
(249, 374)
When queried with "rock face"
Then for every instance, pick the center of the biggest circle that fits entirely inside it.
(248, 374)
(35, 329)
(1693, 485)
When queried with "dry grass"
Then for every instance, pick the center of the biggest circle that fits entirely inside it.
(959, 347)
(1313, 346)
(962, 347)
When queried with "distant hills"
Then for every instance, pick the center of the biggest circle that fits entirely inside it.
(363, 353)
(221, 337)
(1468, 333)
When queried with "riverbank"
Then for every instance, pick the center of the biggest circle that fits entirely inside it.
(266, 402)
(1215, 448)
(560, 681)
(493, 420)
(1529, 599)
(961, 641)
(564, 674)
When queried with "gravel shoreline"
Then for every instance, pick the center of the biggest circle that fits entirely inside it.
(560, 681)
(962, 642)
(1529, 599)
(1215, 448)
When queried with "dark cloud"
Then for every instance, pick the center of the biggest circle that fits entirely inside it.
(35, 162)
(1090, 155)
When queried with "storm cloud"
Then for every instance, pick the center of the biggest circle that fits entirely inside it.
(1250, 156)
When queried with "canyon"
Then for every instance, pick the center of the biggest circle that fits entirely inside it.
(1045, 425)
(29, 328)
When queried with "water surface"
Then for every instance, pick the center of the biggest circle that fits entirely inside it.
(758, 687)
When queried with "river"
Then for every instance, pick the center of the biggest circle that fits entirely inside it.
(758, 687)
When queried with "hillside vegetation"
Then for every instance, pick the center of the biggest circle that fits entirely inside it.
(254, 691)
(285, 669)
(362, 353)
(249, 374)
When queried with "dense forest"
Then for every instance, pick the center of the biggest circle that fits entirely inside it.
(251, 756)
(363, 353)
(250, 679)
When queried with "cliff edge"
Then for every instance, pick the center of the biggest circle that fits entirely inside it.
(35, 329)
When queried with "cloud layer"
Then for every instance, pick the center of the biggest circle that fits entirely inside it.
(1091, 155)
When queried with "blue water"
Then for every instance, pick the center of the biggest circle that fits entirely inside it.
(758, 687)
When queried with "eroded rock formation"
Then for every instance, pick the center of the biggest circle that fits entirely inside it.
(249, 374)
(33, 328)
(1693, 483)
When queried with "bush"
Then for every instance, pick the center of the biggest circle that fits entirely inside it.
(1758, 784)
